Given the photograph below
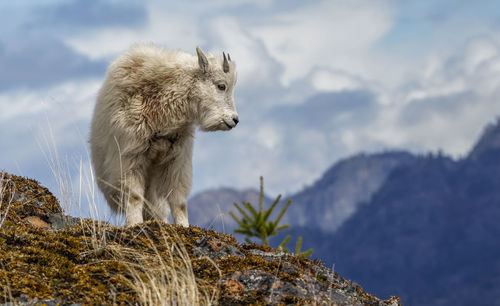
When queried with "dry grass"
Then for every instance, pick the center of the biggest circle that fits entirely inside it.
(5, 186)
(159, 278)
(59, 169)
(167, 278)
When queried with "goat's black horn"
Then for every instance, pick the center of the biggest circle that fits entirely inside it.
(225, 64)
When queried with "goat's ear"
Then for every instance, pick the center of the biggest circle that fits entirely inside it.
(202, 60)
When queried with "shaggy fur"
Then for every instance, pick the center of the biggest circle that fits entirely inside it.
(144, 122)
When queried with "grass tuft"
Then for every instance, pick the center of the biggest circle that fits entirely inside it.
(155, 277)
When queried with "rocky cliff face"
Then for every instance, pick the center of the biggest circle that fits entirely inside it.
(48, 258)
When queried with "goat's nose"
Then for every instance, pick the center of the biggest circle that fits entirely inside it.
(236, 120)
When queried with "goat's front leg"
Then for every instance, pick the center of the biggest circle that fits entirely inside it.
(180, 176)
(134, 198)
(178, 206)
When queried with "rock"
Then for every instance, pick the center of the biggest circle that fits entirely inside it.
(257, 282)
(233, 287)
(37, 222)
(214, 249)
(47, 258)
(59, 221)
(22, 197)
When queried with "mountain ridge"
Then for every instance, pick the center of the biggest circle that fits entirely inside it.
(430, 233)
(337, 192)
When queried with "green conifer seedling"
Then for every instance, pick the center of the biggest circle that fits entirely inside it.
(255, 223)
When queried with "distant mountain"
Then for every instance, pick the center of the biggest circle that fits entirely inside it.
(489, 140)
(325, 205)
(219, 202)
(430, 234)
(342, 189)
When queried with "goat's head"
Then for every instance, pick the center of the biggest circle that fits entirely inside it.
(214, 92)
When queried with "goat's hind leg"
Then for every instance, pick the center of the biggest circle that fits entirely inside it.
(156, 204)
(168, 191)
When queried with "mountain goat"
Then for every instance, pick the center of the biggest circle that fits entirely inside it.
(144, 122)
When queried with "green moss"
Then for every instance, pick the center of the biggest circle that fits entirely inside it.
(90, 262)
(322, 278)
(24, 197)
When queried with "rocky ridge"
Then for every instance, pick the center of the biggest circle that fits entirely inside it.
(47, 258)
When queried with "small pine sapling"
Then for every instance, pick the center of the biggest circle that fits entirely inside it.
(255, 223)
(298, 247)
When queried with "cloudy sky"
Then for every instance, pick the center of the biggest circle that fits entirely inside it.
(317, 80)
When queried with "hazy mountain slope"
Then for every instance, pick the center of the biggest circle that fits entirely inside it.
(430, 234)
(490, 139)
(338, 193)
(210, 209)
(325, 205)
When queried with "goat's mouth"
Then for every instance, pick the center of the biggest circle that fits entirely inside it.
(228, 126)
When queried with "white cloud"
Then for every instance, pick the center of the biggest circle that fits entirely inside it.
(324, 80)
(172, 25)
(448, 87)
(478, 52)
(31, 116)
(165, 27)
(267, 136)
(334, 34)
(76, 97)
(254, 66)
(456, 95)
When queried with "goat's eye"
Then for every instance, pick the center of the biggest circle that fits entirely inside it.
(221, 87)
